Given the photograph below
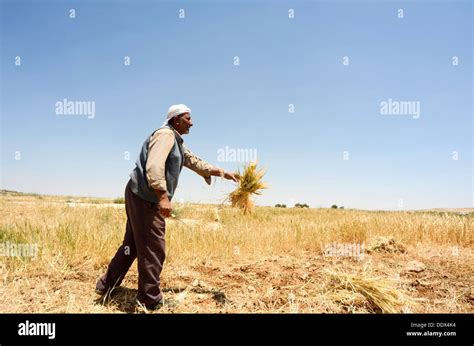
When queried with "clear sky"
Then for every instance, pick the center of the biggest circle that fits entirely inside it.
(392, 160)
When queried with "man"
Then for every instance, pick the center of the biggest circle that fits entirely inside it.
(148, 202)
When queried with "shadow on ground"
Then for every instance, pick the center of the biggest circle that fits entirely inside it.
(121, 298)
(125, 299)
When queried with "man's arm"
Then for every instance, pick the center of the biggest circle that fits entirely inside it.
(203, 168)
(158, 150)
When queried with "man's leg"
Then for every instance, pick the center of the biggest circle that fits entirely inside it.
(149, 235)
(124, 256)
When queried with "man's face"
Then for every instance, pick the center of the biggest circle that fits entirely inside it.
(183, 124)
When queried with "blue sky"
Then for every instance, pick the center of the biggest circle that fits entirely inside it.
(299, 61)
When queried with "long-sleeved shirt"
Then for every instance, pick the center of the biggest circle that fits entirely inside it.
(159, 148)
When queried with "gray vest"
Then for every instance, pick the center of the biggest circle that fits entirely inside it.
(173, 166)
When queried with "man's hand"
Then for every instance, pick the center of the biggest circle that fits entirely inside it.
(219, 172)
(165, 206)
(231, 176)
(164, 203)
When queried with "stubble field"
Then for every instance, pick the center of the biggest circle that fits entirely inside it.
(220, 261)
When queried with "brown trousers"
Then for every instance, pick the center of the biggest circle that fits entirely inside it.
(145, 240)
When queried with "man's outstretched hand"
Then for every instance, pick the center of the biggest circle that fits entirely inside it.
(231, 176)
(219, 172)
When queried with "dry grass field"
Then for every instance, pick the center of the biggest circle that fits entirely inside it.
(219, 261)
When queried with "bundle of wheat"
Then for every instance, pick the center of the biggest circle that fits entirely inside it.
(250, 183)
(380, 293)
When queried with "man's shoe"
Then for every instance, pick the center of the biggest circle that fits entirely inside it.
(109, 292)
(99, 292)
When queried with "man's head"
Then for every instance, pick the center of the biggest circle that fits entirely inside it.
(179, 116)
(181, 123)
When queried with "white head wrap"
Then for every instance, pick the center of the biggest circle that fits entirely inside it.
(176, 110)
